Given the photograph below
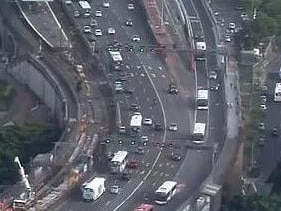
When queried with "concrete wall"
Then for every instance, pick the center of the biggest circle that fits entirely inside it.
(28, 71)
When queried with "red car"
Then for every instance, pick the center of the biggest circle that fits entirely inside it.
(133, 164)
(145, 207)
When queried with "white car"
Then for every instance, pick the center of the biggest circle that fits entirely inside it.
(213, 75)
(173, 127)
(144, 138)
(147, 121)
(227, 38)
(87, 29)
(98, 32)
(114, 189)
(136, 38)
(118, 86)
(231, 26)
(106, 4)
(111, 30)
(76, 14)
(98, 13)
(131, 7)
(87, 14)
(262, 107)
(68, 2)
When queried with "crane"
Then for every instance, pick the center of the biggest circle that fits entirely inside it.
(19, 204)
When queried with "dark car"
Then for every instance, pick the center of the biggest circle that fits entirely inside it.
(158, 127)
(275, 131)
(129, 22)
(261, 141)
(126, 176)
(214, 86)
(175, 157)
(135, 107)
(133, 164)
(140, 150)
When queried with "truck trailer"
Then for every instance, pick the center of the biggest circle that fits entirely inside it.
(92, 190)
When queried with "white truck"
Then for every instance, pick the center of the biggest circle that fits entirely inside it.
(198, 134)
(202, 99)
(136, 121)
(200, 50)
(92, 190)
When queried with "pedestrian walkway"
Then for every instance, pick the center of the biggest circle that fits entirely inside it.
(41, 18)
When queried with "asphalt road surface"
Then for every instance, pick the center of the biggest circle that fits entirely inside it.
(143, 68)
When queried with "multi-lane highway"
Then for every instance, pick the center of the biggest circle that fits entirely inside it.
(149, 78)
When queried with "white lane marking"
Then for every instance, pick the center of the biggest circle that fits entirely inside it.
(160, 151)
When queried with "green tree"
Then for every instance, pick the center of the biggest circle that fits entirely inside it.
(254, 203)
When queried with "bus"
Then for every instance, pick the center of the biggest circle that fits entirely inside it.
(136, 121)
(277, 92)
(199, 133)
(165, 192)
(118, 162)
(117, 60)
(202, 99)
